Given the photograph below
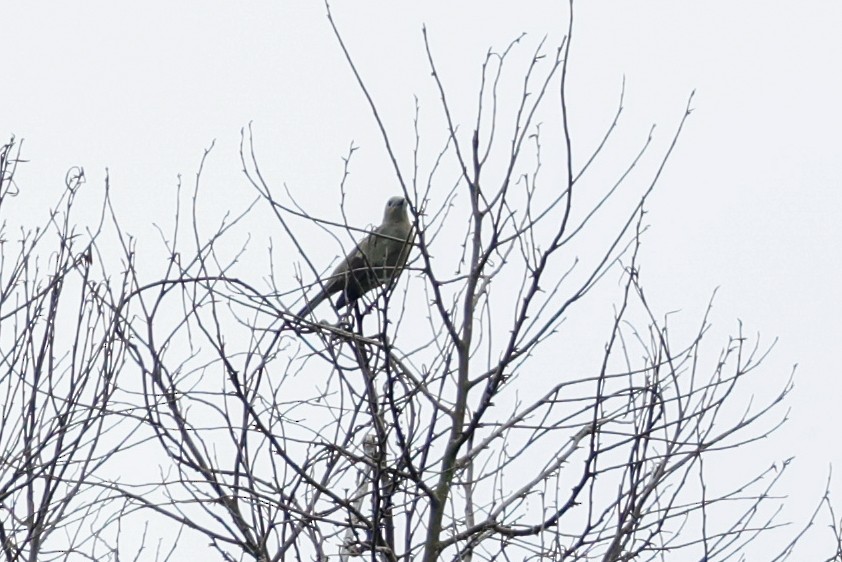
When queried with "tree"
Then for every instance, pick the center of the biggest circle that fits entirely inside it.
(430, 436)
(440, 418)
(60, 360)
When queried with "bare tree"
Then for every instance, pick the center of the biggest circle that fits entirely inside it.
(453, 432)
(444, 417)
(60, 360)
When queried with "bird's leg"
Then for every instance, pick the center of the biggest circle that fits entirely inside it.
(359, 314)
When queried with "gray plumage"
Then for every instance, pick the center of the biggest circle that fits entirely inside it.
(379, 258)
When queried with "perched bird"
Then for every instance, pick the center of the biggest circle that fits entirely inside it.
(378, 258)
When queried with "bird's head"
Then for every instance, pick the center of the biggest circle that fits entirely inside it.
(395, 210)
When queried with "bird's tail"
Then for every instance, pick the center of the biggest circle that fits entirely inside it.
(310, 305)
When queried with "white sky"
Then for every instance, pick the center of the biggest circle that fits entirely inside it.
(750, 202)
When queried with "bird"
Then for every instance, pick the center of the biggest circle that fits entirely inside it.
(378, 258)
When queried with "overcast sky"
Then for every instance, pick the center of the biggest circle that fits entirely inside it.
(750, 202)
